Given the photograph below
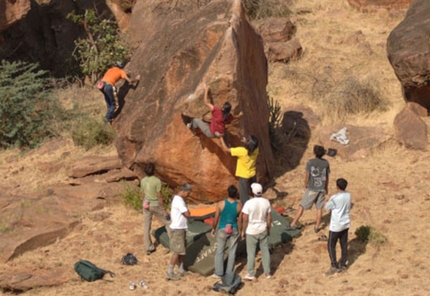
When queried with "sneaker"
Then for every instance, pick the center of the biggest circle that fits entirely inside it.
(142, 284)
(189, 125)
(268, 276)
(172, 276)
(132, 286)
(183, 273)
(215, 276)
(150, 252)
(332, 270)
(342, 268)
(217, 134)
(249, 277)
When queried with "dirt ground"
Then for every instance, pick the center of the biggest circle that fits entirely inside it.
(389, 191)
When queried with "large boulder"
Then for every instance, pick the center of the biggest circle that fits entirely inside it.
(182, 46)
(370, 5)
(411, 130)
(409, 53)
(12, 11)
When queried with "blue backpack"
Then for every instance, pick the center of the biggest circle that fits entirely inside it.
(230, 284)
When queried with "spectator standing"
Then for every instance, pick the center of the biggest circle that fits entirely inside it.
(257, 219)
(153, 204)
(179, 213)
(340, 221)
(227, 230)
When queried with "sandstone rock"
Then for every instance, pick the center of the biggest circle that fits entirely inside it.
(410, 129)
(18, 282)
(101, 190)
(12, 11)
(215, 44)
(31, 223)
(283, 51)
(93, 164)
(362, 140)
(371, 5)
(409, 52)
(277, 30)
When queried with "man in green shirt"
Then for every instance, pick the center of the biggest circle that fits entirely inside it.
(153, 204)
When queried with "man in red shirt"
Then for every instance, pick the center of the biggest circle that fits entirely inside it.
(106, 86)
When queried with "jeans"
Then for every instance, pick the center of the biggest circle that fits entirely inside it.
(221, 241)
(110, 100)
(147, 220)
(251, 246)
(244, 185)
(333, 237)
(203, 126)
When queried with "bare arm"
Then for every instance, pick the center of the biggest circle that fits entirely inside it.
(216, 219)
(269, 222)
(224, 146)
(239, 219)
(207, 103)
(244, 224)
(326, 184)
(307, 177)
(238, 115)
(186, 214)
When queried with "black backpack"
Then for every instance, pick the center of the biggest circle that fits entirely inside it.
(129, 259)
(230, 284)
(89, 272)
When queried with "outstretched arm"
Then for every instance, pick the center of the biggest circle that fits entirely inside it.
(216, 219)
(224, 146)
(207, 103)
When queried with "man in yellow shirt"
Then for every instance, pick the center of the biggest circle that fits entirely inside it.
(245, 167)
(106, 86)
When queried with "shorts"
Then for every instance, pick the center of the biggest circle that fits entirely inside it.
(313, 197)
(177, 241)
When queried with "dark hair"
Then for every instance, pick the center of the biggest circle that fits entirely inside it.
(226, 108)
(319, 151)
(251, 144)
(186, 187)
(149, 169)
(232, 191)
(119, 64)
(341, 183)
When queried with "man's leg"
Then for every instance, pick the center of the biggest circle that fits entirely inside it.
(251, 245)
(265, 253)
(147, 220)
(243, 190)
(299, 213)
(110, 101)
(319, 216)
(232, 241)
(344, 248)
(203, 126)
(319, 203)
(221, 238)
(331, 247)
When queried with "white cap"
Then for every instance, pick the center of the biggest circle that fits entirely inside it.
(257, 189)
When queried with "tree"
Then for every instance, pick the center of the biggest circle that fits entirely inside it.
(26, 105)
(100, 47)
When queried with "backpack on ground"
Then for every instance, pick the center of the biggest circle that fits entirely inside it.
(89, 272)
(129, 259)
(230, 284)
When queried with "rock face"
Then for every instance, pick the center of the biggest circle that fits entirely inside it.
(369, 5)
(12, 11)
(411, 130)
(42, 33)
(361, 140)
(181, 47)
(409, 53)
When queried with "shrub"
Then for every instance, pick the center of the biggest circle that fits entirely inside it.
(370, 234)
(167, 197)
(132, 197)
(89, 133)
(27, 107)
(275, 121)
(102, 45)
(261, 9)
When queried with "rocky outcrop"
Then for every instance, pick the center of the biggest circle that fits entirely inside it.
(409, 52)
(362, 140)
(411, 130)
(179, 51)
(12, 11)
(370, 5)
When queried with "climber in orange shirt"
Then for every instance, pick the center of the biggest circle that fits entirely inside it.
(106, 86)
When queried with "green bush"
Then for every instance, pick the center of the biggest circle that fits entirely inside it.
(102, 45)
(370, 234)
(275, 121)
(89, 133)
(167, 197)
(27, 107)
(262, 9)
(132, 197)
(363, 233)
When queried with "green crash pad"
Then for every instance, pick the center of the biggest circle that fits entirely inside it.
(201, 245)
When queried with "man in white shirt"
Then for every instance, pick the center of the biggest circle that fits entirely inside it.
(340, 206)
(179, 213)
(257, 219)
